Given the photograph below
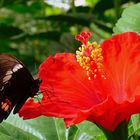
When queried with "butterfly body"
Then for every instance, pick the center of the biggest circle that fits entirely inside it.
(16, 85)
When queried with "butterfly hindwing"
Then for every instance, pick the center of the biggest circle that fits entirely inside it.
(16, 85)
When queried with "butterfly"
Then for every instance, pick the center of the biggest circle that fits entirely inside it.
(16, 85)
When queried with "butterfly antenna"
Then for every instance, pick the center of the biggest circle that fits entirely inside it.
(49, 93)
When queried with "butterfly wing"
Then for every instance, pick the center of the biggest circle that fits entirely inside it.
(16, 85)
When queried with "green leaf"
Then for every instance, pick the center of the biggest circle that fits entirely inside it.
(53, 129)
(90, 130)
(85, 131)
(11, 132)
(72, 132)
(101, 6)
(32, 8)
(7, 20)
(130, 20)
(48, 127)
(98, 33)
(50, 35)
(77, 18)
(135, 121)
(42, 127)
(134, 127)
(6, 137)
(9, 31)
(61, 129)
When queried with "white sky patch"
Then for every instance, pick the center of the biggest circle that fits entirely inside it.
(64, 3)
(80, 2)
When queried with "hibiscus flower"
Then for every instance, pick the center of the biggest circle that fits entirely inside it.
(101, 83)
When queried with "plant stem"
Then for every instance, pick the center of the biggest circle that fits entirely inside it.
(120, 133)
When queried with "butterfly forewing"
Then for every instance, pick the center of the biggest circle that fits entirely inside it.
(16, 85)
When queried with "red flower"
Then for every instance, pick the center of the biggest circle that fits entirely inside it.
(104, 88)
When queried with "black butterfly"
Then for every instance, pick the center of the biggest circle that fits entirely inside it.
(16, 85)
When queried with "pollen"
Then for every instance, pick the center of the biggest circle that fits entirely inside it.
(90, 57)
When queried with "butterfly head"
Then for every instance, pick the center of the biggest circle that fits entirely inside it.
(36, 86)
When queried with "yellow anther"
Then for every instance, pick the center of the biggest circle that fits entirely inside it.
(95, 70)
(87, 68)
(87, 59)
(90, 58)
(89, 78)
(95, 75)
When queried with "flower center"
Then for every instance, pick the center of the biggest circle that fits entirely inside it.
(89, 56)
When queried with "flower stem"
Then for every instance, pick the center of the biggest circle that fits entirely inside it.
(120, 133)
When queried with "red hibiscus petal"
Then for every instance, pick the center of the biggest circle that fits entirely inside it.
(68, 89)
(121, 61)
(70, 80)
(30, 110)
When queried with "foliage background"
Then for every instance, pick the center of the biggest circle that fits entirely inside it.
(34, 29)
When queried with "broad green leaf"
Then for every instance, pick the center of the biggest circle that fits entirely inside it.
(54, 129)
(134, 127)
(42, 127)
(85, 131)
(48, 127)
(11, 132)
(135, 119)
(130, 20)
(14, 120)
(72, 132)
(6, 137)
(90, 130)
(61, 129)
